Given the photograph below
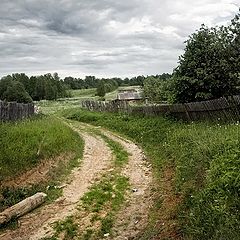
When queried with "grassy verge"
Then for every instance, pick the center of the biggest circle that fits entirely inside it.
(206, 159)
(26, 144)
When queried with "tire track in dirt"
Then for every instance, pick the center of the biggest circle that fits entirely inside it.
(133, 217)
(36, 225)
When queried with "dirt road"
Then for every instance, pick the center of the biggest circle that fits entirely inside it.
(97, 160)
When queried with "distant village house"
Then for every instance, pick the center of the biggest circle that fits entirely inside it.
(130, 95)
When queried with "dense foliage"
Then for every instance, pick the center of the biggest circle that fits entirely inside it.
(93, 82)
(155, 87)
(105, 86)
(208, 69)
(12, 90)
(21, 88)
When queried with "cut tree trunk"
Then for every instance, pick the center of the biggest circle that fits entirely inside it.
(22, 207)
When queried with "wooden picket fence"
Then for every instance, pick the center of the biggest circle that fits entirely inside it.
(12, 111)
(222, 109)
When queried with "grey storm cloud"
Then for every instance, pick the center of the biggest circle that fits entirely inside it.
(101, 37)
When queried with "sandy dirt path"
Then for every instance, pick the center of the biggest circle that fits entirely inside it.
(97, 159)
(133, 217)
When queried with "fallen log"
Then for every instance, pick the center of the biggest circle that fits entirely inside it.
(22, 207)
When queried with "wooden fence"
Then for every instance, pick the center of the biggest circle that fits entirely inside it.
(12, 111)
(223, 109)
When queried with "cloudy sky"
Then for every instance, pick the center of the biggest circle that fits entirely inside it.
(101, 37)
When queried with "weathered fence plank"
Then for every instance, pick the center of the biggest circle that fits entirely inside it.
(12, 111)
(222, 109)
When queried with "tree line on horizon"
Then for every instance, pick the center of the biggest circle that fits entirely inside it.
(22, 88)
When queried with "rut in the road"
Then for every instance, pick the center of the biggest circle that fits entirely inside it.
(133, 217)
(97, 158)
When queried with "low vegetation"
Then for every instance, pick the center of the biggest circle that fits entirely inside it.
(83, 93)
(25, 145)
(205, 157)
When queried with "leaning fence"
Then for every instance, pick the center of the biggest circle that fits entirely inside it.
(12, 111)
(224, 109)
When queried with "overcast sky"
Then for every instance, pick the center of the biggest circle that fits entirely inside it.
(102, 37)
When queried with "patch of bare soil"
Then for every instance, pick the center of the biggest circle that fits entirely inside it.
(133, 217)
(36, 225)
(38, 174)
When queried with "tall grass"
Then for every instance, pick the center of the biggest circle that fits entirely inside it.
(24, 144)
(27, 143)
(207, 163)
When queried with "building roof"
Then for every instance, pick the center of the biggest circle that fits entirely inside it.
(128, 95)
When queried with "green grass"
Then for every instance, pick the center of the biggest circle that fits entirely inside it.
(66, 228)
(111, 95)
(102, 193)
(54, 107)
(85, 93)
(77, 96)
(106, 195)
(26, 144)
(120, 153)
(207, 167)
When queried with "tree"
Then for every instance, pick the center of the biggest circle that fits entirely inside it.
(24, 79)
(101, 89)
(234, 48)
(4, 83)
(155, 88)
(16, 92)
(39, 91)
(205, 69)
(50, 90)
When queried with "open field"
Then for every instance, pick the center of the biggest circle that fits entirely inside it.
(83, 93)
(77, 96)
